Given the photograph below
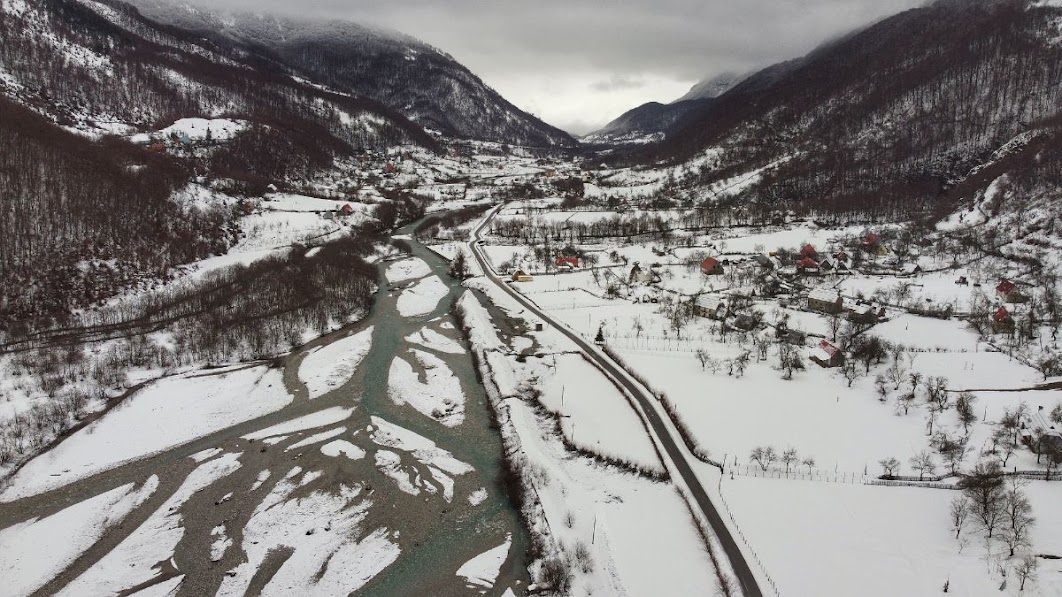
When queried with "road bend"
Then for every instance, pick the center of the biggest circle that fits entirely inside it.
(667, 440)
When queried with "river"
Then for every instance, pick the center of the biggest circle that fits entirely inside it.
(435, 536)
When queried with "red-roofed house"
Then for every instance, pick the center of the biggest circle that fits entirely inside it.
(711, 267)
(1002, 321)
(809, 251)
(566, 261)
(807, 265)
(827, 355)
(1008, 291)
(346, 210)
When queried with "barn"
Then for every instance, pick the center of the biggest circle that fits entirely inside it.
(825, 300)
(711, 266)
(827, 355)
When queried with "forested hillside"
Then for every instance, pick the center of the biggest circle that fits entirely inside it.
(83, 211)
(79, 218)
(898, 118)
(420, 81)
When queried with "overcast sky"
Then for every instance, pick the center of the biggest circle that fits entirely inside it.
(577, 64)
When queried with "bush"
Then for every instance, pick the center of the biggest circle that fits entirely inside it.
(556, 573)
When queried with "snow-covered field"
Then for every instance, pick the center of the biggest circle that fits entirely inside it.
(164, 414)
(840, 539)
(439, 396)
(422, 298)
(407, 269)
(134, 560)
(63, 536)
(432, 339)
(331, 366)
(592, 516)
(335, 554)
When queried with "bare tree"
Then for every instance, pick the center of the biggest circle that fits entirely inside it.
(904, 401)
(937, 392)
(960, 511)
(702, 356)
(984, 488)
(1052, 459)
(890, 466)
(1003, 444)
(964, 406)
(923, 463)
(896, 373)
(882, 386)
(1026, 570)
(763, 456)
(851, 371)
(789, 458)
(1017, 516)
(808, 462)
(952, 450)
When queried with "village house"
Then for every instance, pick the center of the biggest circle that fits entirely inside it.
(346, 210)
(1008, 291)
(864, 313)
(809, 252)
(711, 266)
(1041, 434)
(807, 266)
(763, 261)
(521, 276)
(710, 307)
(566, 263)
(1002, 321)
(827, 355)
(825, 300)
(640, 275)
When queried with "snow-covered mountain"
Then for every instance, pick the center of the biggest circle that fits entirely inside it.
(420, 81)
(650, 122)
(92, 159)
(713, 86)
(910, 115)
(645, 124)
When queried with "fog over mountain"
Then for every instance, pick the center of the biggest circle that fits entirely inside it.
(579, 64)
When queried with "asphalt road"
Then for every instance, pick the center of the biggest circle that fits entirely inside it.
(741, 568)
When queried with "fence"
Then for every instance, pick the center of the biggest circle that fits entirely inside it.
(899, 483)
(795, 474)
(748, 546)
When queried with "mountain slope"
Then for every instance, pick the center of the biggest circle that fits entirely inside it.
(644, 124)
(904, 115)
(425, 84)
(100, 212)
(651, 121)
(713, 87)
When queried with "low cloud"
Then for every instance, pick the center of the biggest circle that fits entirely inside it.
(520, 48)
(618, 82)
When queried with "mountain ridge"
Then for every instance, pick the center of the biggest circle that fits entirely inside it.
(415, 78)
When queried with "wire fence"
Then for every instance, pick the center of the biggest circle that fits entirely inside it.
(795, 474)
(922, 484)
(748, 546)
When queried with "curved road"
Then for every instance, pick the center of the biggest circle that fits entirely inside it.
(741, 568)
